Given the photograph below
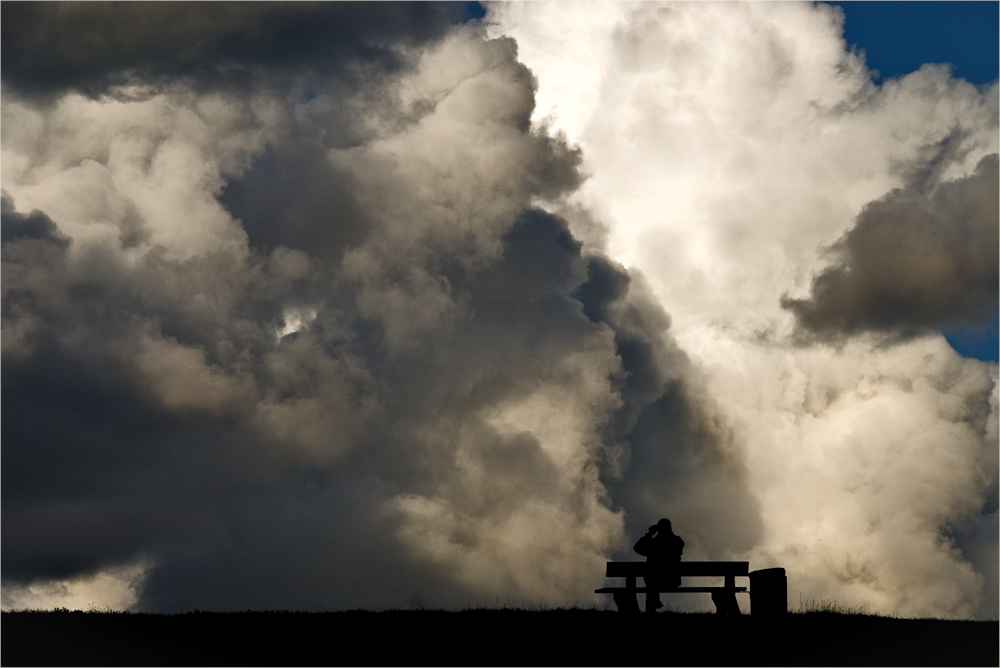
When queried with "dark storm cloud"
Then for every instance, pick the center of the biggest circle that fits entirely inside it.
(522, 324)
(387, 375)
(912, 263)
(91, 47)
(317, 535)
(34, 225)
(291, 185)
(99, 468)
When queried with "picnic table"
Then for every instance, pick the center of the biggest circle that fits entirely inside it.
(724, 597)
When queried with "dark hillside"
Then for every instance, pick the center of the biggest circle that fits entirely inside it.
(489, 637)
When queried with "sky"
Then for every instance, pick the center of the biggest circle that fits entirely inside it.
(373, 305)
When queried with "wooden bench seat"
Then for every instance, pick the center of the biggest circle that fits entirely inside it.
(671, 590)
(724, 597)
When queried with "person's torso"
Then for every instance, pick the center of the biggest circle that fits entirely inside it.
(665, 548)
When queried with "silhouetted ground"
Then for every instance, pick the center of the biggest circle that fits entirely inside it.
(489, 637)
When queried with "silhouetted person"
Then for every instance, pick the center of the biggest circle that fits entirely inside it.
(663, 548)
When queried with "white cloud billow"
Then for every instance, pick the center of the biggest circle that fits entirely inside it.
(728, 144)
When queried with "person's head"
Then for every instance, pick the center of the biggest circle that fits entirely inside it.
(664, 526)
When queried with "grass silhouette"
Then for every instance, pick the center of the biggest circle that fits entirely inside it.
(817, 633)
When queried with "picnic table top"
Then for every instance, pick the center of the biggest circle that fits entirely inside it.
(621, 569)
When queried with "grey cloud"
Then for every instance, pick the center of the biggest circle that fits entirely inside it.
(289, 188)
(94, 46)
(687, 465)
(912, 263)
(677, 458)
(34, 225)
(682, 460)
(100, 466)
(356, 364)
(462, 382)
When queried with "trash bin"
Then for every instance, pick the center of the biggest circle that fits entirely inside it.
(768, 592)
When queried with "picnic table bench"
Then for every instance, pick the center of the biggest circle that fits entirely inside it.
(724, 597)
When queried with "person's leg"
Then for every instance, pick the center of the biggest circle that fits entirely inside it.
(653, 602)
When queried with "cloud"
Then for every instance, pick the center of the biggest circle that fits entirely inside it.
(382, 314)
(913, 262)
(727, 146)
(94, 48)
(115, 589)
(275, 367)
(35, 225)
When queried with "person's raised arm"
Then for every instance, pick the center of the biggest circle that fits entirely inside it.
(642, 546)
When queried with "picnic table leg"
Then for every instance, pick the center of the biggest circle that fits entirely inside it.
(725, 600)
(626, 600)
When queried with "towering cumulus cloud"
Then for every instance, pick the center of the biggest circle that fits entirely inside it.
(288, 327)
(360, 305)
(808, 232)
